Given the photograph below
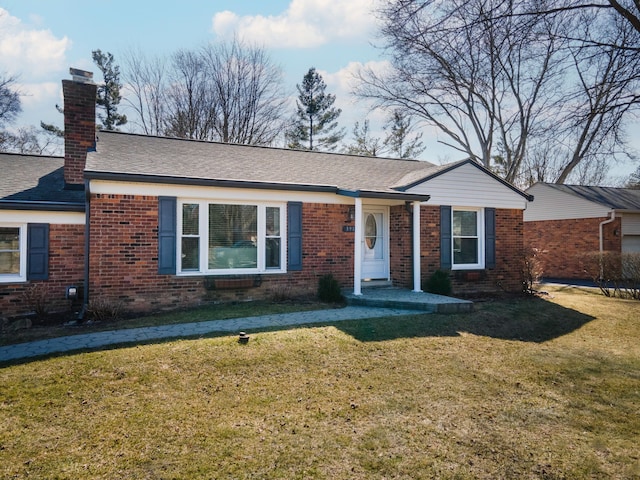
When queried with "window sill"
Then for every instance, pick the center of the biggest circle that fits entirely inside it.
(6, 280)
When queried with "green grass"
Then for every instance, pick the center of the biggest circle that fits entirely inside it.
(529, 388)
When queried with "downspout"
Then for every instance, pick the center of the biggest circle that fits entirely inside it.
(87, 229)
(602, 224)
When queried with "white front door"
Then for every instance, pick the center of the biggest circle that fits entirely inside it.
(375, 251)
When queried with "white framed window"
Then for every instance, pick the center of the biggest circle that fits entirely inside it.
(13, 253)
(467, 237)
(230, 238)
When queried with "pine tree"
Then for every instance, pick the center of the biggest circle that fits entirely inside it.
(363, 142)
(315, 126)
(108, 96)
(398, 141)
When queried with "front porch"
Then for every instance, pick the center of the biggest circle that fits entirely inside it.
(393, 297)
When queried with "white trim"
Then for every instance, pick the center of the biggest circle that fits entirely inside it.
(203, 235)
(480, 235)
(36, 216)
(215, 193)
(21, 276)
(416, 247)
(357, 249)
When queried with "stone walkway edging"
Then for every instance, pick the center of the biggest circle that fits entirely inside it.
(89, 341)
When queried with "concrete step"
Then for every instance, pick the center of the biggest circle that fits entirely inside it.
(407, 300)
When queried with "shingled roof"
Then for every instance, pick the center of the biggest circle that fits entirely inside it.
(32, 181)
(611, 197)
(159, 159)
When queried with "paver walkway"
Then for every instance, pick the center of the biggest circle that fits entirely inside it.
(143, 334)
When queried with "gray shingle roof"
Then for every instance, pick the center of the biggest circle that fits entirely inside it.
(129, 154)
(616, 198)
(32, 178)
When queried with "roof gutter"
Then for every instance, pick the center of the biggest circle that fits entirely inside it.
(408, 197)
(206, 182)
(38, 205)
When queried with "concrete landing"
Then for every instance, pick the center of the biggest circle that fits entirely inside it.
(408, 300)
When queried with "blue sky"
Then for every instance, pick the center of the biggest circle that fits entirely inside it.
(41, 39)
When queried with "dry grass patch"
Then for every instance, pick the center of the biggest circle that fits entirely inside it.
(427, 396)
(53, 326)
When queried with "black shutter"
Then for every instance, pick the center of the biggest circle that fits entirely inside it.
(37, 251)
(294, 236)
(446, 260)
(167, 228)
(490, 237)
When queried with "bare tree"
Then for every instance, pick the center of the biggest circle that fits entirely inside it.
(499, 81)
(9, 100)
(30, 140)
(247, 91)
(190, 101)
(607, 90)
(228, 92)
(623, 11)
(483, 82)
(146, 78)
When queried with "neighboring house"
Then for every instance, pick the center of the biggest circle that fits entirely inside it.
(567, 221)
(158, 223)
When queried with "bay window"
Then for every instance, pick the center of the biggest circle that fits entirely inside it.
(225, 238)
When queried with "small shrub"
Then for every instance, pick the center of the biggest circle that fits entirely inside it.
(282, 293)
(329, 289)
(532, 269)
(439, 283)
(38, 297)
(615, 273)
(104, 309)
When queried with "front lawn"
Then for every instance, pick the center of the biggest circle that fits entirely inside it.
(526, 388)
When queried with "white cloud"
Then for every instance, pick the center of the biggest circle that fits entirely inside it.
(29, 52)
(35, 94)
(305, 23)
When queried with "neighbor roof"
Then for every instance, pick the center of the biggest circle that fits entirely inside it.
(158, 159)
(611, 197)
(36, 182)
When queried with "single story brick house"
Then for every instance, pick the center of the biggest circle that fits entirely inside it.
(158, 222)
(567, 221)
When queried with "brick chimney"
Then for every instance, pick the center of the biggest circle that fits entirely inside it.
(79, 124)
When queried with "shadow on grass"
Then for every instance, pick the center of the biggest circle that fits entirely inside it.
(526, 320)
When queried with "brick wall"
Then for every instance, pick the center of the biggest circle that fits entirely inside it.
(400, 249)
(79, 127)
(124, 257)
(66, 267)
(509, 252)
(560, 243)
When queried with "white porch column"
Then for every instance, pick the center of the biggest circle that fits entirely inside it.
(357, 249)
(416, 247)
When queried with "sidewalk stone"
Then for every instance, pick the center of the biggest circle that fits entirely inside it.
(134, 335)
